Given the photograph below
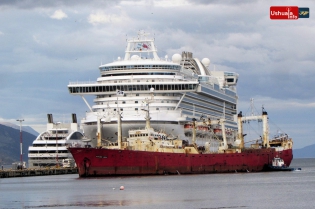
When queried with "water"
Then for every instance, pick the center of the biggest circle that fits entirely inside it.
(214, 191)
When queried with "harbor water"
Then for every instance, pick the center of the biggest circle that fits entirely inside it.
(214, 191)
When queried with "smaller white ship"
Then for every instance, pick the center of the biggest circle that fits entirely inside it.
(50, 147)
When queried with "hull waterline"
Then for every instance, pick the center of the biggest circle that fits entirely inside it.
(93, 162)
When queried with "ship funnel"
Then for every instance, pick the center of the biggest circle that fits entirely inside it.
(50, 118)
(74, 118)
(187, 55)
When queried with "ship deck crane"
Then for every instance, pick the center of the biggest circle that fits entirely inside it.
(263, 117)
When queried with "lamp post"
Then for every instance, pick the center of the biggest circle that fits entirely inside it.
(21, 155)
(57, 161)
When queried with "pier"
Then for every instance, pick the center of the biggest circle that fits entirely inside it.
(8, 173)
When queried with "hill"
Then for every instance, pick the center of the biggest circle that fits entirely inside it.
(24, 128)
(10, 144)
(305, 152)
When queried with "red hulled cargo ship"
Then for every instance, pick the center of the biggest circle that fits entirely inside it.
(149, 152)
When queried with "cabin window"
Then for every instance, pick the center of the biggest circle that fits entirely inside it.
(136, 108)
(136, 101)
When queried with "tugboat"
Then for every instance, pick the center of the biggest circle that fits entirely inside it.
(279, 165)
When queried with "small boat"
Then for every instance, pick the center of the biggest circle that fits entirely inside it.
(279, 165)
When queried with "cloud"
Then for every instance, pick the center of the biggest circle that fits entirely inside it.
(243, 39)
(156, 3)
(31, 4)
(38, 41)
(274, 59)
(279, 105)
(59, 15)
(102, 18)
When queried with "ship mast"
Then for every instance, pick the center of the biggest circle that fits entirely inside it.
(147, 117)
(99, 132)
(194, 131)
(141, 44)
(119, 134)
(264, 118)
(119, 131)
(240, 135)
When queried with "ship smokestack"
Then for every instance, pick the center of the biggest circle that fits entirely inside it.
(187, 55)
(50, 118)
(74, 118)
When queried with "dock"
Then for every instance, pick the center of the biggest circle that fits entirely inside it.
(9, 173)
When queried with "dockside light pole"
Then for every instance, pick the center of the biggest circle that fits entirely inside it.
(57, 161)
(21, 142)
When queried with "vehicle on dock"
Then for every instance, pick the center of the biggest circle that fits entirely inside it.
(68, 163)
(19, 165)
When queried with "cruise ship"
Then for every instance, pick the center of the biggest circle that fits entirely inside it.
(180, 89)
(50, 147)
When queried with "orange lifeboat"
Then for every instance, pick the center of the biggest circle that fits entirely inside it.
(203, 128)
(188, 126)
(217, 131)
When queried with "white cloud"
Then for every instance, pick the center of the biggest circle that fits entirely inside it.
(279, 104)
(274, 59)
(59, 15)
(102, 18)
(37, 40)
(243, 39)
(156, 3)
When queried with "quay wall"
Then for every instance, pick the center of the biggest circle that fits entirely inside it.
(8, 173)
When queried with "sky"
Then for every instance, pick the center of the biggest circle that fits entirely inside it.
(47, 44)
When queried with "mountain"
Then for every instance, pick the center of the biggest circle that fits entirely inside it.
(305, 152)
(24, 128)
(10, 144)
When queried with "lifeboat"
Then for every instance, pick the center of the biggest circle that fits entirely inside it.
(202, 128)
(188, 126)
(217, 131)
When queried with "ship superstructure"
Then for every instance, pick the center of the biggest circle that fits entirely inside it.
(183, 88)
(50, 147)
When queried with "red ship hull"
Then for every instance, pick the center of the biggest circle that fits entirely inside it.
(94, 162)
